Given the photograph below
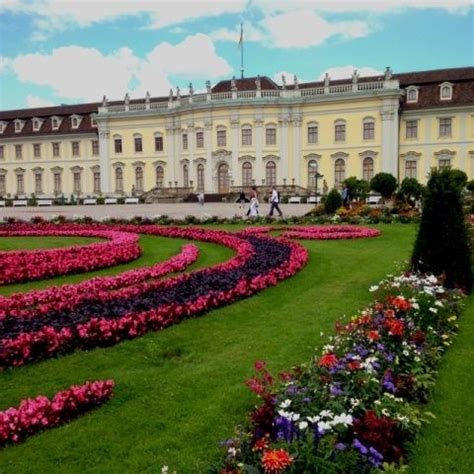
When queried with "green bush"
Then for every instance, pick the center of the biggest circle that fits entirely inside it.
(333, 201)
(410, 191)
(442, 245)
(358, 188)
(470, 185)
(384, 183)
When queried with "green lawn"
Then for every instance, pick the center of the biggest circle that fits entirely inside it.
(180, 391)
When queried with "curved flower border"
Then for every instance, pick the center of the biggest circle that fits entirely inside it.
(357, 405)
(34, 415)
(28, 265)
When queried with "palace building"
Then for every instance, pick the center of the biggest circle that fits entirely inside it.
(243, 132)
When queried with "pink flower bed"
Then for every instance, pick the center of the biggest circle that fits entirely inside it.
(37, 414)
(98, 317)
(333, 232)
(29, 265)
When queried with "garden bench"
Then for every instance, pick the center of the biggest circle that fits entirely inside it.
(374, 199)
(45, 202)
(20, 202)
(314, 199)
(294, 200)
(2, 203)
(90, 202)
(110, 201)
(131, 201)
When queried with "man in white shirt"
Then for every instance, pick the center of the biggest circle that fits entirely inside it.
(274, 200)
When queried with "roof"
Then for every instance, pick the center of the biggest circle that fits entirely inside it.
(246, 84)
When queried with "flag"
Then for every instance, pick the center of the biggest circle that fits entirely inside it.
(241, 40)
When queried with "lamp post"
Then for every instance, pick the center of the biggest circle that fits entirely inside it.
(317, 175)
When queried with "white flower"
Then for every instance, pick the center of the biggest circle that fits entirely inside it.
(343, 419)
(406, 353)
(373, 288)
(302, 425)
(439, 303)
(232, 452)
(415, 305)
(285, 414)
(434, 310)
(385, 412)
(324, 426)
(355, 402)
(432, 279)
(286, 403)
(377, 402)
(313, 419)
(164, 470)
(326, 414)
(295, 416)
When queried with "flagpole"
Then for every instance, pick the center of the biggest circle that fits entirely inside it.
(242, 50)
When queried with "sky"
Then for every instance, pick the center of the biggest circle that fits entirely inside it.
(71, 51)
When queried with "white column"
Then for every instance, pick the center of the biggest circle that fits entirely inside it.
(389, 150)
(463, 139)
(177, 154)
(236, 168)
(282, 170)
(192, 166)
(259, 165)
(208, 148)
(297, 120)
(427, 151)
(171, 158)
(104, 158)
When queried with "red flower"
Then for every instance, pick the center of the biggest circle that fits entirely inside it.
(328, 360)
(353, 365)
(373, 335)
(395, 327)
(400, 303)
(261, 444)
(274, 461)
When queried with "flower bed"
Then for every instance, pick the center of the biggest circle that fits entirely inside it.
(334, 232)
(29, 265)
(356, 406)
(131, 311)
(37, 414)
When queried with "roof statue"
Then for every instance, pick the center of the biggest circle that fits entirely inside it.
(178, 93)
(171, 95)
(388, 73)
(355, 77)
(127, 99)
(208, 87)
(191, 90)
(283, 80)
(147, 97)
(295, 80)
(326, 80)
(258, 83)
(233, 84)
(104, 101)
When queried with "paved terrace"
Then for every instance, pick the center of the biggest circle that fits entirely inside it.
(177, 211)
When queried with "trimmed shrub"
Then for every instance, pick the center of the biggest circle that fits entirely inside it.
(333, 201)
(384, 183)
(442, 245)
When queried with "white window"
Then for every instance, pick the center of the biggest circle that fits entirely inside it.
(119, 180)
(270, 135)
(410, 169)
(56, 149)
(368, 169)
(221, 137)
(18, 152)
(3, 184)
(2, 153)
(38, 183)
(19, 125)
(95, 147)
(411, 129)
(3, 126)
(37, 124)
(446, 91)
(118, 144)
(270, 173)
(77, 182)
(93, 121)
(247, 136)
(445, 127)
(96, 177)
(185, 176)
(159, 177)
(139, 179)
(75, 148)
(312, 133)
(444, 164)
(55, 123)
(185, 141)
(247, 174)
(57, 183)
(75, 121)
(368, 129)
(339, 172)
(200, 178)
(199, 139)
(158, 142)
(340, 131)
(37, 150)
(137, 140)
(20, 184)
(412, 94)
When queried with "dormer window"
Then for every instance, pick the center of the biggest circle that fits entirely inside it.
(37, 124)
(55, 122)
(3, 126)
(412, 95)
(446, 91)
(75, 121)
(93, 121)
(19, 125)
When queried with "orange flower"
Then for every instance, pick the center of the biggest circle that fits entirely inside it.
(275, 461)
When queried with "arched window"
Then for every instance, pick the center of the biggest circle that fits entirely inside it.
(119, 180)
(271, 173)
(247, 174)
(446, 91)
(368, 169)
(159, 177)
(185, 176)
(412, 94)
(339, 172)
(223, 178)
(312, 172)
(200, 178)
(410, 169)
(139, 179)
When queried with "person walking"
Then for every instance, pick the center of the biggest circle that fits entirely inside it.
(253, 209)
(274, 201)
(253, 194)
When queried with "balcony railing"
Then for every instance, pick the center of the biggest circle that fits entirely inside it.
(289, 94)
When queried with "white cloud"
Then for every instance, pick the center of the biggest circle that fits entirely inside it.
(59, 15)
(33, 101)
(251, 34)
(304, 28)
(345, 72)
(86, 74)
(4, 63)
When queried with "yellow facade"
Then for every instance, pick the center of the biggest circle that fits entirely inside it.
(239, 139)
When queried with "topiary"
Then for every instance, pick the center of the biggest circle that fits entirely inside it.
(442, 245)
(384, 183)
(333, 201)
